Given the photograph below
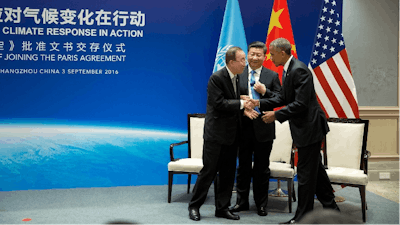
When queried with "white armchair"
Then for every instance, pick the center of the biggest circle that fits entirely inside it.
(194, 162)
(346, 156)
(282, 159)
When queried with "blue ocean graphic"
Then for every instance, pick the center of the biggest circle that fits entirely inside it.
(53, 156)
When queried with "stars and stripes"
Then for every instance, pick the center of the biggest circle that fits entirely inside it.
(329, 63)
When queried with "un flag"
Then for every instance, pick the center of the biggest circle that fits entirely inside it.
(232, 33)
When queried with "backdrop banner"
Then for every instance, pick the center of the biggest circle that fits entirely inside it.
(94, 92)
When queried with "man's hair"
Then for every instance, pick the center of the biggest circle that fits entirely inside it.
(282, 44)
(258, 44)
(231, 54)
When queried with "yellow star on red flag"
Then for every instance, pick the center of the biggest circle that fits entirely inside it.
(279, 26)
(274, 21)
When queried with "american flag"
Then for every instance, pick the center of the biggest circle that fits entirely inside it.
(333, 81)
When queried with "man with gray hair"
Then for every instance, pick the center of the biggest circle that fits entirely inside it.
(308, 126)
(221, 136)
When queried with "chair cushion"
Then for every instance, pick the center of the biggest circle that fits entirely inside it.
(192, 165)
(281, 170)
(347, 175)
(282, 146)
(196, 137)
(344, 144)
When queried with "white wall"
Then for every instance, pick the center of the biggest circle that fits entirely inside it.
(371, 32)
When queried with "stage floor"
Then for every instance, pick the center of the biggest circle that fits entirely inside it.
(386, 189)
(148, 205)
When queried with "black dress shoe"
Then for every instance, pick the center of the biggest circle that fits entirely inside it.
(262, 211)
(227, 215)
(238, 208)
(194, 214)
(289, 222)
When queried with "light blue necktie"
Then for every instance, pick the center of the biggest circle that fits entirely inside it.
(283, 77)
(255, 94)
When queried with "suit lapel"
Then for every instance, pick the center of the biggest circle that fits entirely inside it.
(245, 80)
(263, 77)
(288, 72)
(290, 67)
(229, 82)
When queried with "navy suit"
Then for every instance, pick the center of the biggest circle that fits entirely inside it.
(256, 139)
(308, 126)
(221, 133)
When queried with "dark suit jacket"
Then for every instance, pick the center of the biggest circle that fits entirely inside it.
(307, 121)
(263, 131)
(223, 109)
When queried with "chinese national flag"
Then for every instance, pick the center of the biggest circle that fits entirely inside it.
(279, 27)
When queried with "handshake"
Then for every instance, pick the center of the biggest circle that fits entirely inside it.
(249, 105)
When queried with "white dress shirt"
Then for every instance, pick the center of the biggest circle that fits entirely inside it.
(231, 75)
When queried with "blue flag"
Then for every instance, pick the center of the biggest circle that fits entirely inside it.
(232, 33)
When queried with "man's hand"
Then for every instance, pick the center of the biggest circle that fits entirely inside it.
(244, 97)
(252, 114)
(268, 116)
(260, 87)
(255, 102)
(249, 104)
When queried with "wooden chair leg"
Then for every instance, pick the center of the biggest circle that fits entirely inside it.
(294, 192)
(189, 180)
(289, 186)
(170, 176)
(363, 203)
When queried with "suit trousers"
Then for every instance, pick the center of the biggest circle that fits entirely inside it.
(312, 180)
(251, 149)
(221, 159)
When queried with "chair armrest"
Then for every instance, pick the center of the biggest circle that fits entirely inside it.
(292, 155)
(171, 149)
(325, 156)
(367, 154)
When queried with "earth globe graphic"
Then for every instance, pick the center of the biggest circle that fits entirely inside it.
(39, 156)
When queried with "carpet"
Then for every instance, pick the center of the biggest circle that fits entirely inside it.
(148, 205)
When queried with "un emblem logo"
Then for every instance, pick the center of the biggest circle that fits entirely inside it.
(220, 58)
